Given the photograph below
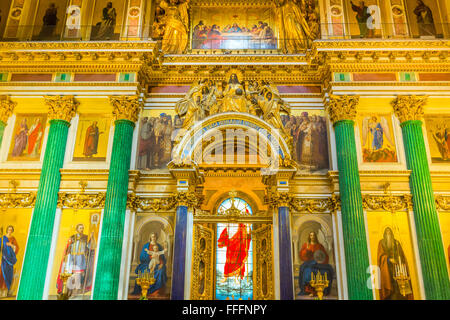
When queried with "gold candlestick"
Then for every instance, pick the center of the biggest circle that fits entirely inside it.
(402, 279)
(64, 276)
(319, 283)
(145, 280)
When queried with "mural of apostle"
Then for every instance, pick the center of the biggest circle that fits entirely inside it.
(390, 255)
(108, 23)
(425, 19)
(9, 248)
(362, 16)
(152, 259)
(34, 138)
(20, 139)
(49, 20)
(91, 140)
(315, 259)
(73, 22)
(78, 260)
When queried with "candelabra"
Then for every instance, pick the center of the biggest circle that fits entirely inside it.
(145, 280)
(402, 278)
(319, 282)
(64, 276)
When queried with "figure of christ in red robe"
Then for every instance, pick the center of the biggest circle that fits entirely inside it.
(237, 251)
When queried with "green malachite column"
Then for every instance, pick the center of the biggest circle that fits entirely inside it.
(125, 111)
(342, 111)
(409, 110)
(61, 111)
(6, 110)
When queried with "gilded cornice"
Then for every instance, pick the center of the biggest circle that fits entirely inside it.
(409, 107)
(61, 107)
(231, 3)
(79, 46)
(135, 202)
(125, 107)
(17, 200)
(6, 108)
(342, 107)
(168, 203)
(363, 45)
(81, 200)
(387, 202)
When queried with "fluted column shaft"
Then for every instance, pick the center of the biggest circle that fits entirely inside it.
(429, 239)
(110, 251)
(179, 253)
(41, 229)
(410, 111)
(2, 130)
(342, 111)
(285, 254)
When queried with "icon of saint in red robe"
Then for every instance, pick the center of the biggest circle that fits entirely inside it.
(237, 251)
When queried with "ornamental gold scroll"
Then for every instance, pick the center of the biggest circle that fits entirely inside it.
(258, 98)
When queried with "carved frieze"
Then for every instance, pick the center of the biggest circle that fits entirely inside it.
(17, 200)
(389, 202)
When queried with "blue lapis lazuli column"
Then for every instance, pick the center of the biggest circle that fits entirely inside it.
(285, 255)
(179, 260)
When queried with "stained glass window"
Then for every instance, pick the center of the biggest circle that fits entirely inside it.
(234, 254)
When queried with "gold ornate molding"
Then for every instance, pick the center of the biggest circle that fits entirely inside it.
(81, 200)
(342, 107)
(17, 200)
(409, 107)
(387, 202)
(125, 107)
(302, 205)
(150, 204)
(6, 108)
(442, 203)
(61, 107)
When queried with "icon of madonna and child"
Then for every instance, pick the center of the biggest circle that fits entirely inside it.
(153, 261)
(233, 36)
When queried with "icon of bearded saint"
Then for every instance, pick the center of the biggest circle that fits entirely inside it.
(390, 253)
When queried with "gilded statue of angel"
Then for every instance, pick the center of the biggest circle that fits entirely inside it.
(176, 30)
(271, 107)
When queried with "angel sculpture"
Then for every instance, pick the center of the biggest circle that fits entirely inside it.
(271, 106)
(373, 134)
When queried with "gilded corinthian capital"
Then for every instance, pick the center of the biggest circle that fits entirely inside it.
(61, 107)
(409, 107)
(6, 108)
(342, 107)
(125, 107)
